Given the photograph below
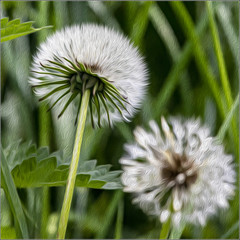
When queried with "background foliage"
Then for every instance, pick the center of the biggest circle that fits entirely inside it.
(186, 68)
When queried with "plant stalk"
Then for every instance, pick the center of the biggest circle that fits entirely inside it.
(165, 229)
(73, 167)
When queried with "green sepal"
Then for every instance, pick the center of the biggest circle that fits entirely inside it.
(64, 94)
(81, 66)
(73, 65)
(114, 96)
(50, 83)
(50, 73)
(91, 113)
(79, 105)
(106, 108)
(56, 69)
(110, 100)
(63, 66)
(54, 91)
(97, 104)
(67, 103)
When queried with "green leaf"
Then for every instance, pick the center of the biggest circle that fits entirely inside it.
(32, 167)
(14, 29)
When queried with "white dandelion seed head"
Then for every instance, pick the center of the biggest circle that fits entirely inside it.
(99, 52)
(181, 168)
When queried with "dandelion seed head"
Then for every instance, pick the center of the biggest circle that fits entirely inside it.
(179, 170)
(111, 65)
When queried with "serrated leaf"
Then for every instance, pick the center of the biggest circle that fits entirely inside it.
(14, 29)
(4, 22)
(32, 167)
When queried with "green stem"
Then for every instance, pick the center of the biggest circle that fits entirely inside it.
(119, 222)
(176, 232)
(44, 140)
(165, 229)
(44, 124)
(45, 211)
(73, 167)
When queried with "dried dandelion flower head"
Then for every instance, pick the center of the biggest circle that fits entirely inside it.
(91, 57)
(184, 174)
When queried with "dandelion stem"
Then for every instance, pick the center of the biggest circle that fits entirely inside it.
(176, 232)
(165, 229)
(73, 167)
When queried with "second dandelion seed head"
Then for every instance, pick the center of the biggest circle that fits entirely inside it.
(182, 172)
(95, 58)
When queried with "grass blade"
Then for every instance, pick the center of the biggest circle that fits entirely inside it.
(164, 30)
(109, 215)
(232, 38)
(166, 33)
(228, 234)
(222, 69)
(104, 13)
(173, 77)
(201, 59)
(219, 54)
(12, 196)
(140, 22)
(225, 126)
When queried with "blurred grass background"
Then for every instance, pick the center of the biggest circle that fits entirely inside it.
(179, 45)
